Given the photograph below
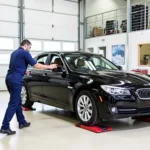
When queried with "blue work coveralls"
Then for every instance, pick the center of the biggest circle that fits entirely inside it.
(18, 64)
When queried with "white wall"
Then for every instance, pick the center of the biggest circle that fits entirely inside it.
(107, 7)
(135, 38)
(9, 35)
(43, 23)
(99, 6)
(107, 41)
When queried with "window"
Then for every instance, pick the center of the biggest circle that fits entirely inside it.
(56, 60)
(85, 63)
(6, 43)
(42, 59)
(68, 46)
(52, 46)
(53, 59)
(4, 58)
(36, 45)
(100, 63)
(144, 54)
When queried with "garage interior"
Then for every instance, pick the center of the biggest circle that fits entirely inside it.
(93, 26)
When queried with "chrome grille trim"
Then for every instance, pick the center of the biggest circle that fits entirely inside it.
(145, 92)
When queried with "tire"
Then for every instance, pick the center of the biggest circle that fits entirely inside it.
(25, 98)
(86, 109)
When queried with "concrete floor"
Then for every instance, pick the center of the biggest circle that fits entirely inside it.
(53, 129)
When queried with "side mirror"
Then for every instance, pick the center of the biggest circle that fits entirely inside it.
(120, 67)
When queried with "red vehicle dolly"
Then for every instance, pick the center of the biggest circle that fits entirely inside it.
(96, 129)
(28, 109)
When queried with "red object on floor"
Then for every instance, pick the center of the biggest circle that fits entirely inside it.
(145, 118)
(27, 109)
(96, 129)
(143, 71)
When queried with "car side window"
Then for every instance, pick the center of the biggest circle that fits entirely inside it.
(53, 59)
(99, 63)
(42, 59)
(57, 60)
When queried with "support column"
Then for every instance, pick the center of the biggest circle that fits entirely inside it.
(21, 36)
(82, 25)
(128, 31)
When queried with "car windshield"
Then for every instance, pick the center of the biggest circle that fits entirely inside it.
(88, 62)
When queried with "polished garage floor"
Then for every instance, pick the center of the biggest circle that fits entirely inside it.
(53, 129)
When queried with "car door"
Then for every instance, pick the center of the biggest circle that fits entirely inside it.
(54, 85)
(36, 77)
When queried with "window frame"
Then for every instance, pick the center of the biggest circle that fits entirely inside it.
(56, 54)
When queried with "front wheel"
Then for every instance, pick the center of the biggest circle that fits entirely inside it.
(86, 109)
(25, 98)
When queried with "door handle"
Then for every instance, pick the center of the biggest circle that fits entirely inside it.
(44, 74)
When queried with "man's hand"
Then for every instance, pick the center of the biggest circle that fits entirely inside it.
(53, 66)
(27, 73)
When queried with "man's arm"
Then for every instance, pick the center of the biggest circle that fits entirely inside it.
(32, 62)
(44, 67)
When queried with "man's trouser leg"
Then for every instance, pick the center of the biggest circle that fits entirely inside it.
(19, 113)
(15, 92)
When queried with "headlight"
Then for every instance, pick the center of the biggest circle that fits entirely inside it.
(115, 90)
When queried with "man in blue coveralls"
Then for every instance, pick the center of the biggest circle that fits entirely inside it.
(18, 64)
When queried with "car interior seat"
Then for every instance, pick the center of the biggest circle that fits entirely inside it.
(58, 62)
(80, 63)
(71, 64)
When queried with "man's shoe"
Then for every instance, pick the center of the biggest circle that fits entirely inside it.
(8, 132)
(27, 124)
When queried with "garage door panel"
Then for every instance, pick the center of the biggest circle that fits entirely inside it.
(39, 4)
(12, 29)
(61, 33)
(38, 31)
(2, 85)
(9, 2)
(4, 69)
(9, 13)
(65, 20)
(66, 7)
(43, 17)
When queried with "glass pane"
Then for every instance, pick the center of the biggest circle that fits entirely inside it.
(4, 58)
(67, 46)
(36, 45)
(52, 46)
(85, 63)
(6, 43)
(42, 60)
(144, 54)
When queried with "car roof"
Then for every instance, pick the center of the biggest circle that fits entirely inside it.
(65, 52)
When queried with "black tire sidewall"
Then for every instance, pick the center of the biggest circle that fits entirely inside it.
(94, 117)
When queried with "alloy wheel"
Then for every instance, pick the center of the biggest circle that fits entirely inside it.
(23, 95)
(84, 108)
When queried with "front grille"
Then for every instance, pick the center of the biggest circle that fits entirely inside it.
(144, 110)
(143, 93)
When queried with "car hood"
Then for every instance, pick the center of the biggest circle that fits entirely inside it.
(121, 78)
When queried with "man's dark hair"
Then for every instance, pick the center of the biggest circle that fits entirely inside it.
(24, 42)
